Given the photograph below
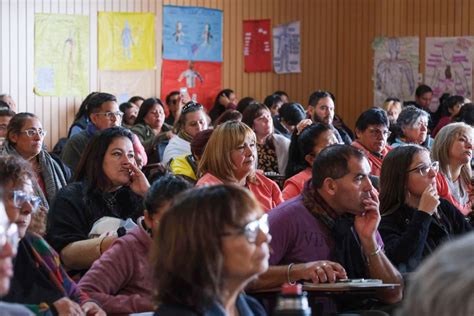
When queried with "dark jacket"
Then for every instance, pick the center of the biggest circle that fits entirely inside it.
(246, 305)
(410, 235)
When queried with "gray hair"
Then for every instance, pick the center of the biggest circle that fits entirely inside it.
(410, 115)
(443, 284)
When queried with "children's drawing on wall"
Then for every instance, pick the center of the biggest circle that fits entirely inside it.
(179, 34)
(286, 48)
(126, 41)
(449, 66)
(190, 75)
(202, 80)
(61, 55)
(396, 62)
(192, 33)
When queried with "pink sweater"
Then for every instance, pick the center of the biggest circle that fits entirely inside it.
(294, 185)
(120, 280)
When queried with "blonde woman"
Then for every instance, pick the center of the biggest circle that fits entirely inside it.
(230, 157)
(452, 147)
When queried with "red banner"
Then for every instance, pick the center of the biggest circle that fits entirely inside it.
(257, 46)
(201, 79)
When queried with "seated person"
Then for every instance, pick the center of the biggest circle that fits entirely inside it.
(412, 128)
(330, 232)
(120, 279)
(415, 221)
(130, 112)
(81, 119)
(303, 149)
(289, 115)
(443, 283)
(5, 117)
(372, 133)
(39, 280)
(192, 120)
(187, 165)
(8, 249)
(449, 108)
(452, 148)
(109, 184)
(103, 112)
(225, 99)
(230, 156)
(211, 243)
(272, 148)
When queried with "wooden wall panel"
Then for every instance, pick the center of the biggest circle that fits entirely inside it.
(336, 53)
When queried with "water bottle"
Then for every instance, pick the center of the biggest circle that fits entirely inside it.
(292, 301)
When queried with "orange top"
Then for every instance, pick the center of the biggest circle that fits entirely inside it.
(375, 161)
(265, 190)
(294, 185)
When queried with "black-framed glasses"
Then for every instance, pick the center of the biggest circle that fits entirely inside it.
(9, 234)
(111, 115)
(251, 229)
(424, 169)
(20, 198)
(32, 132)
(191, 107)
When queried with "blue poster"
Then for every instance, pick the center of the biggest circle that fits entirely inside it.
(192, 33)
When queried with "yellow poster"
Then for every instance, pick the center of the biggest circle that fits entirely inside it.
(126, 41)
(61, 55)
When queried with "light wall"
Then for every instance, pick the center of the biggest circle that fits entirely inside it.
(336, 37)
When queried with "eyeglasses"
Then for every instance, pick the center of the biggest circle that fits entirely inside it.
(423, 170)
(9, 234)
(191, 107)
(20, 198)
(32, 132)
(377, 133)
(111, 115)
(418, 124)
(251, 229)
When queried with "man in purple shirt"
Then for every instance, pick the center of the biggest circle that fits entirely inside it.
(331, 228)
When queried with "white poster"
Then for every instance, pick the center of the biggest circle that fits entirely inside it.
(448, 66)
(286, 48)
(396, 61)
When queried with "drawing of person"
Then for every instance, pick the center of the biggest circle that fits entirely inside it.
(449, 75)
(394, 76)
(69, 57)
(190, 74)
(127, 41)
(206, 35)
(179, 34)
(283, 50)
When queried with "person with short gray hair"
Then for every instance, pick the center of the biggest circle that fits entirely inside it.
(443, 284)
(412, 128)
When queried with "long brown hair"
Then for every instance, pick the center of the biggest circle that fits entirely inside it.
(394, 177)
(187, 253)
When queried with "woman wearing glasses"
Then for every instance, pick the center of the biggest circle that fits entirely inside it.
(412, 128)
(150, 127)
(453, 149)
(25, 136)
(226, 247)
(39, 279)
(415, 220)
(109, 185)
(191, 121)
(230, 157)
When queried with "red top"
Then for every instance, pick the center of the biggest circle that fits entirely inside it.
(294, 185)
(375, 162)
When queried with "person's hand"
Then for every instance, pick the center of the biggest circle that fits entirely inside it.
(138, 182)
(429, 200)
(318, 271)
(224, 100)
(92, 309)
(302, 125)
(65, 306)
(366, 223)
